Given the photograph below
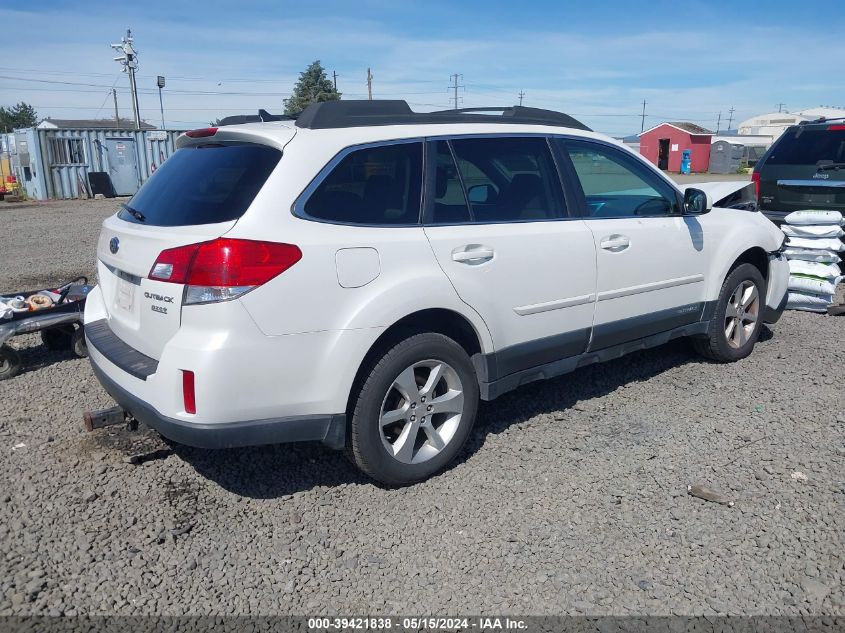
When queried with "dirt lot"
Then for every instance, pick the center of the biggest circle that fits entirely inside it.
(571, 496)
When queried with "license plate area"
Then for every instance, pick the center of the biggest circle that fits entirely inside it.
(125, 295)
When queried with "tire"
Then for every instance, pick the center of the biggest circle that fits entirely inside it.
(734, 330)
(10, 362)
(77, 343)
(414, 440)
(57, 338)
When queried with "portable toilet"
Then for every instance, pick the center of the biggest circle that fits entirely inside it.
(725, 157)
(686, 161)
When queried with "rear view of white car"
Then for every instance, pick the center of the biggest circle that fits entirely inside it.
(363, 275)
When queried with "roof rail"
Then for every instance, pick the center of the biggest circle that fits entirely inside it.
(342, 114)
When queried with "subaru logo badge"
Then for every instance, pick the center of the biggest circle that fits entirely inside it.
(114, 245)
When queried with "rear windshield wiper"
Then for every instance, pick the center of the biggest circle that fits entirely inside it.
(134, 212)
(830, 166)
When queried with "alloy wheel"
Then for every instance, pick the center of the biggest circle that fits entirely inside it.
(741, 313)
(421, 411)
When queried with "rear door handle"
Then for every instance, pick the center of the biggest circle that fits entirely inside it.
(615, 243)
(472, 254)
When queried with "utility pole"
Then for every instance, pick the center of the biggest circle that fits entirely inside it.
(455, 87)
(731, 117)
(780, 107)
(116, 114)
(160, 84)
(369, 84)
(129, 61)
(334, 78)
(719, 122)
(521, 94)
(642, 125)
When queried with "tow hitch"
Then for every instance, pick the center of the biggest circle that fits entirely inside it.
(109, 417)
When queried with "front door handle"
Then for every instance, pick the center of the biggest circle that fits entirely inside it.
(472, 254)
(615, 243)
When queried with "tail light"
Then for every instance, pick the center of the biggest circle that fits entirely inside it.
(224, 268)
(188, 394)
(202, 132)
(837, 127)
(755, 178)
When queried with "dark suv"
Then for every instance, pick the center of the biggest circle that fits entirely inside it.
(803, 169)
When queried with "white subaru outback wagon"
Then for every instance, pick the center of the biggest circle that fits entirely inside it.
(363, 274)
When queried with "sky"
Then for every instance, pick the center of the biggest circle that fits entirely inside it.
(595, 60)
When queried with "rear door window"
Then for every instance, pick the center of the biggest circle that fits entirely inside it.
(809, 146)
(504, 180)
(202, 185)
(375, 186)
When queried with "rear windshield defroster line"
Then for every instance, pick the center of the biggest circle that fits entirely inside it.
(202, 185)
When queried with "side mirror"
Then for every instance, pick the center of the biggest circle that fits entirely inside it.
(481, 194)
(697, 202)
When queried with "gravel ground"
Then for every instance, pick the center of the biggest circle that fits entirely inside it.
(571, 496)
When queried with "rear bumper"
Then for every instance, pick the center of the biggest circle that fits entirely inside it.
(329, 429)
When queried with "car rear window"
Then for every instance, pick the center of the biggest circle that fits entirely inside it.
(202, 185)
(808, 146)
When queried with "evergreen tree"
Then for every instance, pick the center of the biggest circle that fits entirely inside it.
(17, 116)
(313, 87)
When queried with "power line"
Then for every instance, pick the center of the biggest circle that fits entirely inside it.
(730, 117)
(521, 95)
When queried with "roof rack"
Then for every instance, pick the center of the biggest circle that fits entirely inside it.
(343, 114)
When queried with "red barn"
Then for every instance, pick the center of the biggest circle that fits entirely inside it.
(664, 145)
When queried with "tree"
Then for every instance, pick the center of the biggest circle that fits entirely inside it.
(21, 115)
(313, 87)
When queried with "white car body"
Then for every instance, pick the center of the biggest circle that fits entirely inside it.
(279, 362)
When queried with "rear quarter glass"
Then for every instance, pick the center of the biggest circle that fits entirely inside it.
(204, 184)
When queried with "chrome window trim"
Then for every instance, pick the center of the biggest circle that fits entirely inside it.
(811, 182)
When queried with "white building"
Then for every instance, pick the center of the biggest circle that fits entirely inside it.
(775, 123)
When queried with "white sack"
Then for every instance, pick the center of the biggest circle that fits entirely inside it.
(813, 230)
(812, 255)
(821, 243)
(812, 285)
(814, 269)
(811, 303)
(811, 216)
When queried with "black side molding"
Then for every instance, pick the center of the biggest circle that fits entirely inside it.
(130, 360)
